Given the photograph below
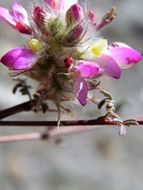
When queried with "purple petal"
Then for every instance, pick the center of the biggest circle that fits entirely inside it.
(19, 59)
(80, 90)
(109, 66)
(87, 69)
(21, 18)
(6, 16)
(124, 55)
(20, 13)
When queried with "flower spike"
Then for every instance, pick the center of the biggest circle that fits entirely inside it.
(63, 51)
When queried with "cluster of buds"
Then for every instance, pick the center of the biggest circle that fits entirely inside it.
(64, 51)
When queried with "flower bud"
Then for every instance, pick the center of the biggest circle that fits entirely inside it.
(38, 15)
(34, 45)
(73, 36)
(91, 16)
(68, 61)
(24, 29)
(73, 14)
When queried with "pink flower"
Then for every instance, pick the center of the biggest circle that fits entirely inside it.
(89, 70)
(17, 18)
(84, 70)
(118, 56)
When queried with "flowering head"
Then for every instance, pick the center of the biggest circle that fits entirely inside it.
(63, 51)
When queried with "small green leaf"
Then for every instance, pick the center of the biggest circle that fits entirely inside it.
(130, 122)
(101, 103)
(107, 94)
(19, 85)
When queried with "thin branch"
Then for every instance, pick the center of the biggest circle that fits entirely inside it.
(99, 121)
(67, 127)
(20, 137)
(56, 132)
(26, 106)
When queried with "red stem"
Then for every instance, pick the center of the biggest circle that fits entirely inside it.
(98, 121)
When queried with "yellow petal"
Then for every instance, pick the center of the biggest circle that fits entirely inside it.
(98, 48)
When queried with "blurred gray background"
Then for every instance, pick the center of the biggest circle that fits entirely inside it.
(95, 160)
